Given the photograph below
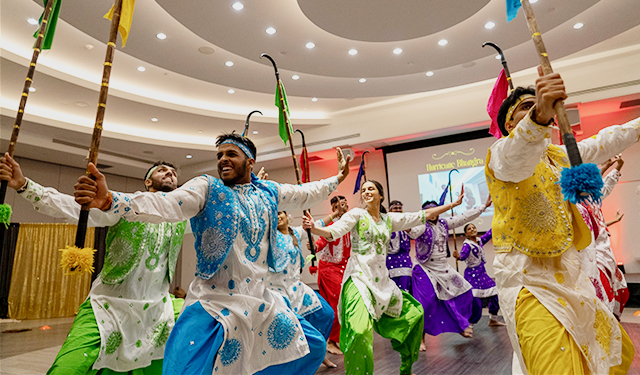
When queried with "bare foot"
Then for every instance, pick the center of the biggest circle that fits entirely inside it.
(329, 364)
(423, 346)
(333, 348)
(468, 332)
(495, 323)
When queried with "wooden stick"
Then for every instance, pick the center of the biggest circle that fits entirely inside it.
(25, 89)
(563, 121)
(102, 106)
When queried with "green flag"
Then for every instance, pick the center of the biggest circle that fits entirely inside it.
(283, 124)
(50, 29)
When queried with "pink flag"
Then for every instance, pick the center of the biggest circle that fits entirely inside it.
(498, 95)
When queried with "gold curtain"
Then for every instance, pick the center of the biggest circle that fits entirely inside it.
(39, 288)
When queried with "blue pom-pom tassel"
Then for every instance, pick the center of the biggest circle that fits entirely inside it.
(584, 178)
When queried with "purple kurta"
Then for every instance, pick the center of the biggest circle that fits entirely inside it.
(475, 273)
(399, 260)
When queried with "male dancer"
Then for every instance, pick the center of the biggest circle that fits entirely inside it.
(125, 322)
(399, 261)
(333, 257)
(554, 320)
(231, 323)
(444, 294)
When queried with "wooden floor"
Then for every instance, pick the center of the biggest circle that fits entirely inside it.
(489, 352)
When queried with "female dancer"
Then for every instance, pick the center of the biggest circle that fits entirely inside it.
(303, 300)
(482, 285)
(370, 299)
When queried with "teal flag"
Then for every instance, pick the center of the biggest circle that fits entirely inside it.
(512, 9)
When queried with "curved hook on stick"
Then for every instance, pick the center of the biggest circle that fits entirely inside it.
(275, 67)
(503, 60)
(495, 46)
(302, 134)
(451, 171)
(246, 123)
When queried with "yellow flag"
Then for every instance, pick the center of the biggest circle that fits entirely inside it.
(126, 16)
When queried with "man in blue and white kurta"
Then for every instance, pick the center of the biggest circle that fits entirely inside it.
(231, 323)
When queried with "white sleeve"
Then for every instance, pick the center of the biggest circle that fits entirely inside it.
(406, 220)
(514, 158)
(416, 232)
(609, 142)
(51, 202)
(301, 197)
(178, 205)
(610, 181)
(465, 217)
(344, 224)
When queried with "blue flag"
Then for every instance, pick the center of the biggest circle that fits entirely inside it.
(443, 196)
(512, 9)
(359, 178)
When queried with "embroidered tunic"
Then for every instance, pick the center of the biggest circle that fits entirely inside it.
(557, 281)
(302, 298)
(367, 264)
(399, 260)
(130, 298)
(431, 253)
(473, 253)
(235, 243)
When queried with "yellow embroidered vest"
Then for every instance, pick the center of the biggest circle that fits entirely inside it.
(532, 215)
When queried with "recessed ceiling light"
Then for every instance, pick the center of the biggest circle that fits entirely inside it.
(443, 42)
(189, 156)
(141, 68)
(353, 52)
(578, 25)
(270, 30)
(229, 63)
(255, 132)
(314, 99)
(153, 119)
(161, 36)
(231, 91)
(32, 89)
(310, 45)
(429, 73)
(489, 25)
(295, 77)
(237, 5)
(397, 51)
(362, 80)
(32, 21)
(199, 131)
(498, 57)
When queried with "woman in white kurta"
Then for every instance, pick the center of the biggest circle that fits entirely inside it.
(367, 287)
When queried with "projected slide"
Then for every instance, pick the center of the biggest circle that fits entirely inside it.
(431, 186)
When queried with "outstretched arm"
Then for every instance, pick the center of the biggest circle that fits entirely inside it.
(335, 230)
(616, 220)
(609, 142)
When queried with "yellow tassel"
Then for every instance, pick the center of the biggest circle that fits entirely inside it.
(75, 260)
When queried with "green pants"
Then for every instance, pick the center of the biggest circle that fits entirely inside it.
(356, 335)
(82, 347)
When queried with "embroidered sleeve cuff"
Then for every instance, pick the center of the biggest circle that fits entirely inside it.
(34, 192)
(121, 203)
(332, 182)
(423, 216)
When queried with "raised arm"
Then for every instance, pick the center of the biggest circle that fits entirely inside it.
(486, 237)
(335, 230)
(609, 142)
(301, 197)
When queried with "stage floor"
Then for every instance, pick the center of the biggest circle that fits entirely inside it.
(489, 352)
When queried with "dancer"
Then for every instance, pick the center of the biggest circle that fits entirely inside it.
(608, 280)
(444, 294)
(554, 320)
(483, 287)
(305, 301)
(399, 260)
(127, 317)
(367, 290)
(333, 257)
(231, 323)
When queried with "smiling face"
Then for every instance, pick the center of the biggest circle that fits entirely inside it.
(518, 114)
(283, 221)
(234, 167)
(370, 195)
(396, 208)
(471, 231)
(164, 178)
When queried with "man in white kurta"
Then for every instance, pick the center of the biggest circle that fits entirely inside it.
(231, 323)
(555, 322)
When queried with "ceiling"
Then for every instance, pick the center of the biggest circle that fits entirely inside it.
(186, 84)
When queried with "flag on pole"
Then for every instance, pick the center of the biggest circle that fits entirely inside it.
(126, 16)
(304, 163)
(512, 9)
(443, 197)
(498, 95)
(359, 178)
(284, 123)
(50, 29)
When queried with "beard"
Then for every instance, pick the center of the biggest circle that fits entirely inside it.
(240, 172)
(163, 186)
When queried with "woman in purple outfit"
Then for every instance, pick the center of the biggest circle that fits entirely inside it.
(483, 287)
(399, 261)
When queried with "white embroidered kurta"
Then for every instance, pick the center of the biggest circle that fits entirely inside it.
(302, 298)
(367, 265)
(134, 316)
(558, 282)
(257, 321)
(446, 281)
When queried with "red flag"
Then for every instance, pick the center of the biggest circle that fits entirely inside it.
(498, 95)
(304, 164)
